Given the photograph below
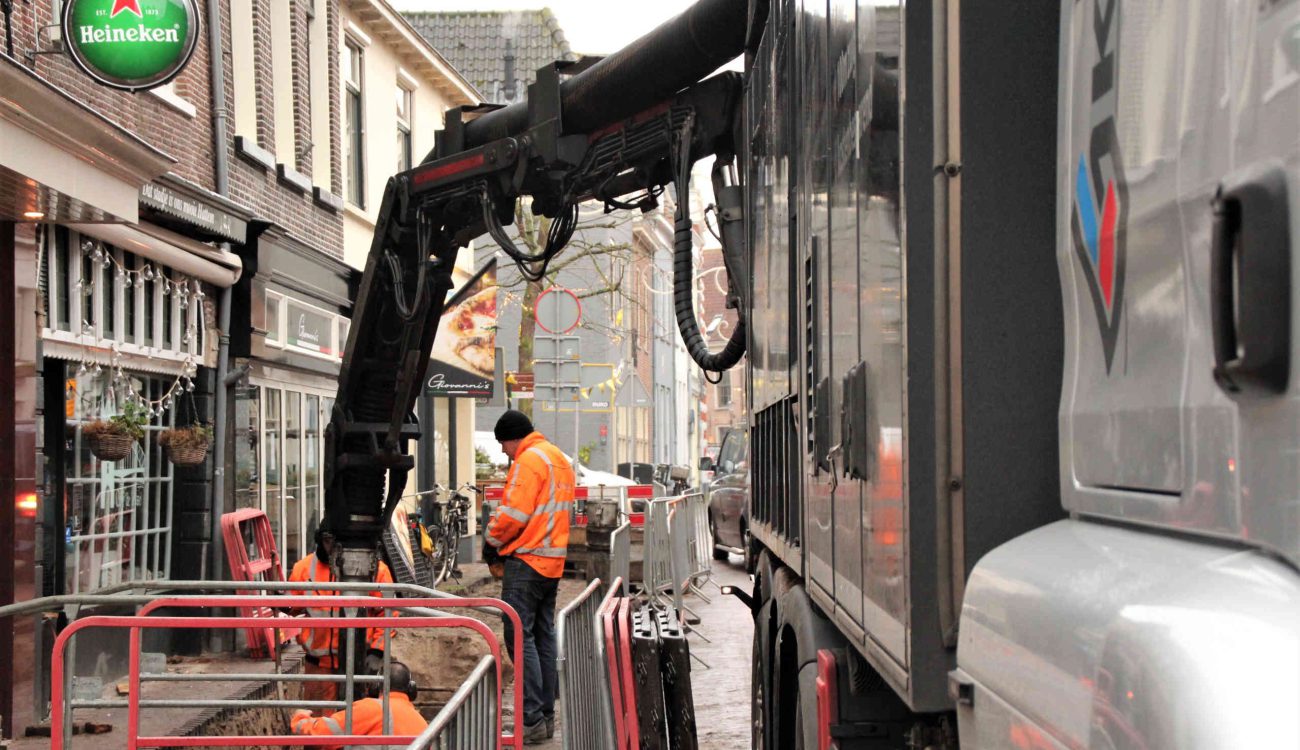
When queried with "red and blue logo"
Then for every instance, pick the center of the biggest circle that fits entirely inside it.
(1100, 203)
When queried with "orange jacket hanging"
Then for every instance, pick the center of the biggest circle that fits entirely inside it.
(367, 719)
(532, 522)
(323, 643)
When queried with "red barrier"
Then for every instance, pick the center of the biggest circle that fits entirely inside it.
(144, 621)
(608, 621)
(265, 567)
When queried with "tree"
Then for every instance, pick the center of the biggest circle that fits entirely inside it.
(584, 251)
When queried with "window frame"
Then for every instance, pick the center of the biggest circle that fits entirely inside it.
(354, 186)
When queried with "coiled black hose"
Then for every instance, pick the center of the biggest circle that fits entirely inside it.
(683, 299)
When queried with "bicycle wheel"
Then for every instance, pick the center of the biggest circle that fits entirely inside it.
(440, 561)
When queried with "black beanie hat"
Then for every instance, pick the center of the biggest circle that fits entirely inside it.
(513, 425)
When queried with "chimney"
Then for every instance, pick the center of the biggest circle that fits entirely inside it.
(509, 90)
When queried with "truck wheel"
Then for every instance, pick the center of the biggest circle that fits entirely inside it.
(760, 676)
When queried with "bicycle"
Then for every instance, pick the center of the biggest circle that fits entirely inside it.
(449, 527)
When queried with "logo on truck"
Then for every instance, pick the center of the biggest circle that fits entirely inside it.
(1100, 190)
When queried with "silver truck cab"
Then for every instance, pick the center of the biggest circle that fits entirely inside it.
(1164, 612)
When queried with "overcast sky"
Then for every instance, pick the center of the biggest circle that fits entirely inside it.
(592, 27)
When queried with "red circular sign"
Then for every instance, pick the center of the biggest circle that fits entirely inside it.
(562, 314)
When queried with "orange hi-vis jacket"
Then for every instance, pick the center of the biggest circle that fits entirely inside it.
(367, 719)
(533, 521)
(323, 643)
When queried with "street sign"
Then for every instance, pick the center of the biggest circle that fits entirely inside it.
(131, 44)
(558, 311)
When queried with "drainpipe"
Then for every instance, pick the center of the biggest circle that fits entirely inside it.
(219, 640)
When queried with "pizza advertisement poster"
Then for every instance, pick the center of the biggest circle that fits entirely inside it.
(463, 360)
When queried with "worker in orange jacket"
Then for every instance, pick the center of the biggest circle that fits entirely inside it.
(324, 650)
(368, 713)
(530, 530)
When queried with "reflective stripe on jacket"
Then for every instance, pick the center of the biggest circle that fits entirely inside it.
(367, 719)
(532, 522)
(323, 643)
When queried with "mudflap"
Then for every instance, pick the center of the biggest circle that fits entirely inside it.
(647, 680)
(675, 666)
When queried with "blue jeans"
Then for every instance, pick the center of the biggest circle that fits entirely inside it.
(533, 596)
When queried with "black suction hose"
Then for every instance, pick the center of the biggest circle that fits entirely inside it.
(683, 299)
(676, 54)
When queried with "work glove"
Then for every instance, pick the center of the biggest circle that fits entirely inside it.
(495, 562)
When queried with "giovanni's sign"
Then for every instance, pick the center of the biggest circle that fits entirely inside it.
(131, 44)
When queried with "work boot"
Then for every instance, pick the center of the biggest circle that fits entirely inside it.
(550, 726)
(535, 734)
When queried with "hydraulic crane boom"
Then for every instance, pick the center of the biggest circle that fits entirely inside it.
(626, 125)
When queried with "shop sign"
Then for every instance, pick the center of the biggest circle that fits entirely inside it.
(463, 361)
(131, 44)
(309, 329)
(199, 214)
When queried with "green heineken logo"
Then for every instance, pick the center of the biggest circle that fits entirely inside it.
(131, 44)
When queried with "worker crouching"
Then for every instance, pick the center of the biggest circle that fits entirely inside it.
(368, 713)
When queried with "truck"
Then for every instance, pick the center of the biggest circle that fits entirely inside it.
(1014, 285)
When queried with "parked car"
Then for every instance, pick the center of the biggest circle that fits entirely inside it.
(728, 495)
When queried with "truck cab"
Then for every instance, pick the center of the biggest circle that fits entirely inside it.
(1165, 610)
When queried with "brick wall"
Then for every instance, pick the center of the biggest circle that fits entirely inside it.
(258, 187)
(184, 138)
(188, 139)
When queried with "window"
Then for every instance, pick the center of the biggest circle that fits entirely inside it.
(273, 307)
(724, 389)
(278, 453)
(291, 324)
(282, 54)
(353, 123)
(318, 71)
(404, 98)
(245, 80)
(99, 295)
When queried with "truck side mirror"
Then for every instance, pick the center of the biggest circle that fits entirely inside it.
(706, 463)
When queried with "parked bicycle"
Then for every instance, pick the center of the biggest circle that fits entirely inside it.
(447, 529)
(420, 546)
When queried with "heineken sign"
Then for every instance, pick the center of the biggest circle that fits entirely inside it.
(131, 44)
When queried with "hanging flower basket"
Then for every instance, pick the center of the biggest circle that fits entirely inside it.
(187, 446)
(113, 439)
(106, 443)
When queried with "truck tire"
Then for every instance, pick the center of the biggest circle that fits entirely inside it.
(760, 677)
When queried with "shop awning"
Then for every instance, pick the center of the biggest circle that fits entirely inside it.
(62, 161)
(163, 246)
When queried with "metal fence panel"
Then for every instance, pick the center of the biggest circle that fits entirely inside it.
(469, 721)
(583, 674)
(620, 550)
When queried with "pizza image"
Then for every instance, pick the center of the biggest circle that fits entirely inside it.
(464, 348)
(471, 331)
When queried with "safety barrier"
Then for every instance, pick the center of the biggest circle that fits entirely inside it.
(620, 550)
(423, 613)
(469, 719)
(240, 530)
(587, 724)
(656, 570)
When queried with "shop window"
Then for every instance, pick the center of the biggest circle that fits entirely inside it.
(292, 475)
(273, 323)
(128, 300)
(247, 434)
(118, 514)
(284, 477)
(295, 325)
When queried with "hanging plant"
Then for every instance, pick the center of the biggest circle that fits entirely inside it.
(112, 439)
(187, 446)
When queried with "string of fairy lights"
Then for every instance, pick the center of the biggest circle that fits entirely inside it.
(187, 292)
